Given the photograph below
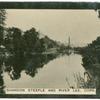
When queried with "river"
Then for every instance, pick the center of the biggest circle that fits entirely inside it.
(57, 73)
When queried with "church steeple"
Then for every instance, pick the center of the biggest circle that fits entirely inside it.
(69, 41)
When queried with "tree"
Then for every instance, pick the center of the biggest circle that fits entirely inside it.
(2, 17)
(30, 38)
(13, 40)
(2, 23)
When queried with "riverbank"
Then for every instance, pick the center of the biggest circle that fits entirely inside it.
(91, 61)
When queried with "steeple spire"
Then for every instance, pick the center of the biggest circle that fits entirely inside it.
(69, 41)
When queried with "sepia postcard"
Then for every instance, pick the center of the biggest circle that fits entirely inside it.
(50, 49)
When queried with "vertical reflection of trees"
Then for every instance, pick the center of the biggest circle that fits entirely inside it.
(29, 63)
(1, 74)
(36, 61)
(15, 64)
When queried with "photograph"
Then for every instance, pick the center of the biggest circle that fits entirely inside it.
(50, 50)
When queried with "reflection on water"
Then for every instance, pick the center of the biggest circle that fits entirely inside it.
(12, 67)
(53, 74)
(29, 63)
(1, 75)
(40, 71)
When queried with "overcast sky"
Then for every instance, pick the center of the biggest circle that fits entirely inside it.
(82, 26)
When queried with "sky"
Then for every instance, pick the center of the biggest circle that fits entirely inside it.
(83, 26)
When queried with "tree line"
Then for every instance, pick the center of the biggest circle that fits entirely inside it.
(15, 41)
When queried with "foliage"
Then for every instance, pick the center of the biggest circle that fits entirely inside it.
(13, 40)
(2, 23)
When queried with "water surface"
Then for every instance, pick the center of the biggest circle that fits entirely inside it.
(51, 75)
